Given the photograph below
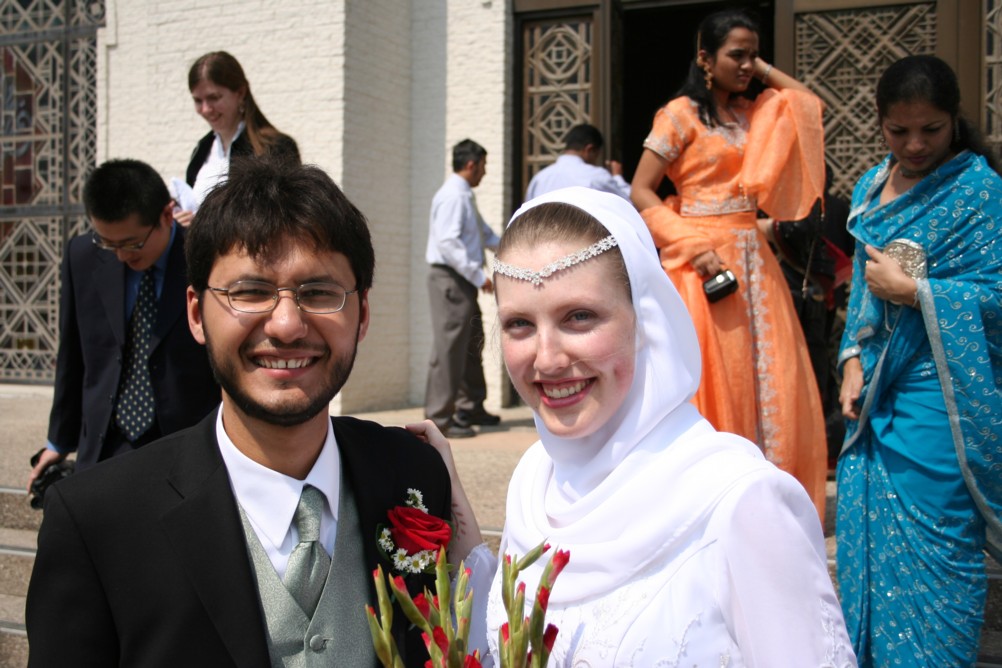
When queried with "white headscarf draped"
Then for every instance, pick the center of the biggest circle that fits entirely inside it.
(603, 495)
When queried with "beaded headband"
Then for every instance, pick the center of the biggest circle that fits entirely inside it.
(536, 277)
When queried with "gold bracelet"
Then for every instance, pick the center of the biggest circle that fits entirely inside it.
(765, 76)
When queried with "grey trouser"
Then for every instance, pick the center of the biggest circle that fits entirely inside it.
(456, 372)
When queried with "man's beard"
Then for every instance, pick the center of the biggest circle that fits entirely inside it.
(283, 415)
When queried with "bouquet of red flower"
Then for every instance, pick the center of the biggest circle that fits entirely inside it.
(523, 642)
(446, 642)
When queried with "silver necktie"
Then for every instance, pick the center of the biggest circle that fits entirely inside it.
(309, 564)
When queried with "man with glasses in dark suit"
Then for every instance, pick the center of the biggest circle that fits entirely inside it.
(249, 539)
(128, 369)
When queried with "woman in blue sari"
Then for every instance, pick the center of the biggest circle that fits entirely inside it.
(920, 474)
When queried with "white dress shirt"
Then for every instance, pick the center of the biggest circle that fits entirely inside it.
(269, 498)
(457, 234)
(570, 170)
(216, 167)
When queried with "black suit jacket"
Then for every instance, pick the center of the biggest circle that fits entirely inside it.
(284, 148)
(92, 337)
(142, 561)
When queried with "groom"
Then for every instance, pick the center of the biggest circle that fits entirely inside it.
(213, 547)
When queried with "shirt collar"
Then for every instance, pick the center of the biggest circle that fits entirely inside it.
(217, 142)
(461, 183)
(269, 498)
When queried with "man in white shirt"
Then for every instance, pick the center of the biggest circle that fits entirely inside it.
(578, 165)
(457, 238)
(184, 553)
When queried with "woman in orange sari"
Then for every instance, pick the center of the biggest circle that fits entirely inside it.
(729, 157)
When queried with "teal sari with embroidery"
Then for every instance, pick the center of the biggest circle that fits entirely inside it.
(920, 474)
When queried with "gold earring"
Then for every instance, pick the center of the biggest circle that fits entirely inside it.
(708, 76)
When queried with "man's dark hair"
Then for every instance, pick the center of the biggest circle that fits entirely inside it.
(264, 203)
(465, 151)
(120, 188)
(580, 136)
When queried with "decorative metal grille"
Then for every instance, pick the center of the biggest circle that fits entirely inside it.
(47, 139)
(841, 55)
(991, 121)
(558, 80)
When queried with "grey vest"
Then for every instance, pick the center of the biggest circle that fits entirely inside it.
(338, 634)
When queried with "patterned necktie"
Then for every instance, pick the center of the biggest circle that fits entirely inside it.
(309, 563)
(134, 412)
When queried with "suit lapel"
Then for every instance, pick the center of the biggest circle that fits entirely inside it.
(171, 304)
(110, 274)
(205, 530)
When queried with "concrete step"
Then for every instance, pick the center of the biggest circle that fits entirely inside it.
(13, 648)
(17, 555)
(16, 512)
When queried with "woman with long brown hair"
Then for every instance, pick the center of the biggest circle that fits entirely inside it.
(222, 96)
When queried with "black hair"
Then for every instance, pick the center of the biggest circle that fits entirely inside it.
(580, 136)
(560, 222)
(711, 35)
(265, 202)
(930, 79)
(465, 151)
(120, 188)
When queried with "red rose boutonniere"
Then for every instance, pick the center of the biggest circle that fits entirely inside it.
(413, 538)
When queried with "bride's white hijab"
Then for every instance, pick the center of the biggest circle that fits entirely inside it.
(602, 495)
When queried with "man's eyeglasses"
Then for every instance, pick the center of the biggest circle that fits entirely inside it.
(101, 243)
(261, 297)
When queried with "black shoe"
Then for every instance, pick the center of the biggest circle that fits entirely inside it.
(458, 431)
(470, 418)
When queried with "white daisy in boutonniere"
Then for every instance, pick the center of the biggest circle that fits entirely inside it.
(414, 536)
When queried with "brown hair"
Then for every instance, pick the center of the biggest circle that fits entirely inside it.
(222, 69)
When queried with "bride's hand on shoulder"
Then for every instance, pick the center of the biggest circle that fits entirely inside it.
(429, 432)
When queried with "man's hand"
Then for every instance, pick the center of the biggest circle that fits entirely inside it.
(615, 167)
(47, 459)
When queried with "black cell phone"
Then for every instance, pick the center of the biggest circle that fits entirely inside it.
(720, 285)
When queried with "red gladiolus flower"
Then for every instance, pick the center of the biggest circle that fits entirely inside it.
(549, 637)
(440, 639)
(415, 530)
(399, 583)
(471, 662)
(505, 632)
(421, 602)
(543, 598)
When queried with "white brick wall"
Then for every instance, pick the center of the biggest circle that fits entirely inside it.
(374, 91)
(291, 52)
(460, 79)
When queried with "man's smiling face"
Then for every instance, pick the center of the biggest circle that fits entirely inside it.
(282, 367)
